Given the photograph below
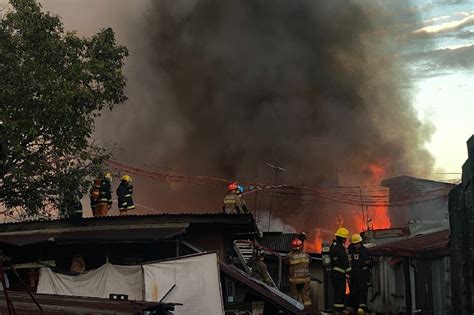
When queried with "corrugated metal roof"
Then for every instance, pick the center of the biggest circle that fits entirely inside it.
(278, 242)
(115, 227)
(190, 215)
(88, 235)
(207, 218)
(405, 179)
(421, 246)
(268, 294)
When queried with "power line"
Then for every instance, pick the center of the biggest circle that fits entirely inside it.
(400, 172)
(371, 196)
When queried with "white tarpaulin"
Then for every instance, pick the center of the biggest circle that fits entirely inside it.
(99, 282)
(192, 281)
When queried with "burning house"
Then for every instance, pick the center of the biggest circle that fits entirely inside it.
(425, 264)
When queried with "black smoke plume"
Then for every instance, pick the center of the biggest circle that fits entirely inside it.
(222, 87)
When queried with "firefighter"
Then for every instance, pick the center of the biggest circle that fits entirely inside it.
(104, 199)
(339, 268)
(233, 201)
(124, 194)
(360, 273)
(94, 195)
(259, 268)
(302, 237)
(299, 276)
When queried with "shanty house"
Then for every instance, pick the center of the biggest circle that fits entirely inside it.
(412, 275)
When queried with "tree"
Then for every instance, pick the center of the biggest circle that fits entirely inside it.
(53, 84)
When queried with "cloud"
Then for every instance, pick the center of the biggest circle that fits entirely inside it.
(463, 13)
(438, 61)
(446, 27)
(436, 19)
(465, 34)
(456, 58)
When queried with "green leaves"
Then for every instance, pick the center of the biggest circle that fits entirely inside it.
(52, 85)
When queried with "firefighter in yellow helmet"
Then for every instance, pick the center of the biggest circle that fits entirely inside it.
(360, 273)
(124, 195)
(339, 268)
(299, 276)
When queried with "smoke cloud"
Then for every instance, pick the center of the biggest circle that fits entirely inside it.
(222, 87)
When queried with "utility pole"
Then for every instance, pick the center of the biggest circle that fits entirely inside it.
(365, 214)
(275, 180)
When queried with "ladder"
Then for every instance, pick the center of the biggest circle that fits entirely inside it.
(244, 251)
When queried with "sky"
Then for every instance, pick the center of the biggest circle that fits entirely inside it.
(441, 60)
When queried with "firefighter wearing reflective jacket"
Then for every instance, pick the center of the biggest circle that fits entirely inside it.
(103, 191)
(259, 268)
(299, 276)
(124, 195)
(360, 273)
(233, 201)
(339, 268)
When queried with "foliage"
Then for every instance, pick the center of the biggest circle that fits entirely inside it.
(53, 84)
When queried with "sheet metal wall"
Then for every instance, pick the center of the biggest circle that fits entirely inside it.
(461, 216)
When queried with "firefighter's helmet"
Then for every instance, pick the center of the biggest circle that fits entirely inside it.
(108, 176)
(356, 238)
(259, 252)
(342, 232)
(240, 189)
(127, 178)
(296, 244)
(302, 236)
(233, 186)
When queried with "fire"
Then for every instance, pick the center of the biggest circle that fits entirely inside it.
(375, 215)
(314, 244)
(378, 216)
(371, 217)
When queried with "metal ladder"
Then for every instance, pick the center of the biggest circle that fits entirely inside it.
(244, 251)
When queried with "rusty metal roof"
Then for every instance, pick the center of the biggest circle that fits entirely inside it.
(60, 304)
(421, 246)
(270, 295)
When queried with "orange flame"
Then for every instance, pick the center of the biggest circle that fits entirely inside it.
(371, 217)
(314, 243)
(378, 215)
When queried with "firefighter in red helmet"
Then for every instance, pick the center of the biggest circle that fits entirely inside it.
(233, 201)
(299, 276)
